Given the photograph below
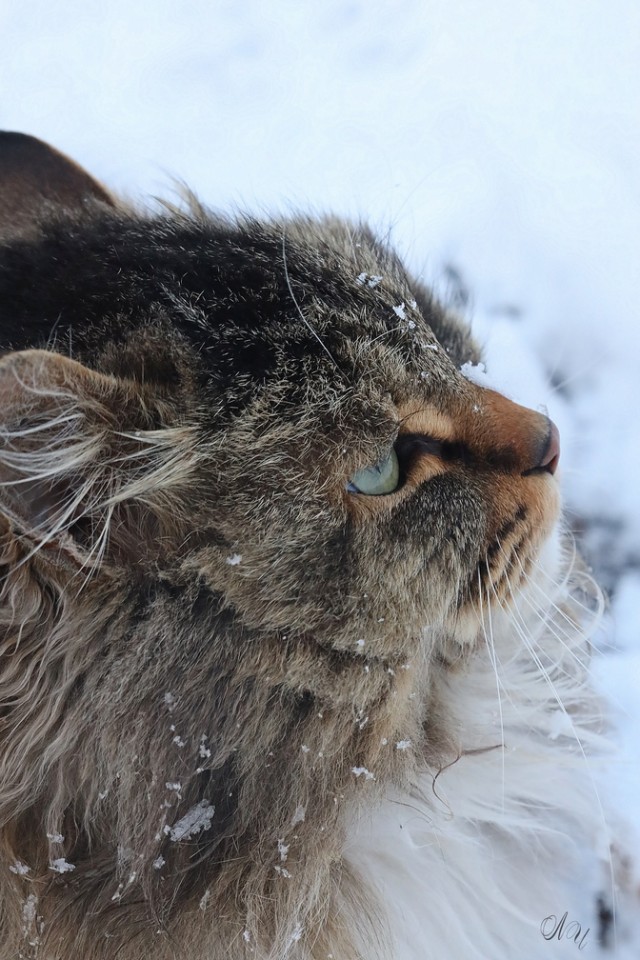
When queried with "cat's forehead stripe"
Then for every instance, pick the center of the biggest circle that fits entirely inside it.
(425, 419)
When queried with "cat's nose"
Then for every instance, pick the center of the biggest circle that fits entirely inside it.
(514, 438)
(551, 451)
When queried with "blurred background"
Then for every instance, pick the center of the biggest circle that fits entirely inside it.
(496, 142)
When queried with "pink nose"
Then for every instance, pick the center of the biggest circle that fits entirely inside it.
(551, 453)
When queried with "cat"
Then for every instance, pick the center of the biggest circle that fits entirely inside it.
(293, 660)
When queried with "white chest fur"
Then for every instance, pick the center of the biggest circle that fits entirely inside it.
(472, 862)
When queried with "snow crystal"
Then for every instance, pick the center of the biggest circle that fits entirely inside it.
(476, 373)
(371, 281)
(234, 559)
(123, 886)
(400, 311)
(305, 748)
(297, 934)
(159, 863)
(204, 903)
(246, 936)
(179, 742)
(403, 744)
(61, 865)
(20, 868)
(169, 701)
(362, 772)
(298, 816)
(55, 837)
(560, 724)
(360, 643)
(197, 819)
(174, 786)
(282, 872)
(29, 910)
(283, 850)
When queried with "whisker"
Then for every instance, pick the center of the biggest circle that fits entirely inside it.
(545, 620)
(523, 633)
(298, 307)
(572, 574)
(494, 663)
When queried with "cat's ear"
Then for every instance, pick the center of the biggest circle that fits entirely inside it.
(36, 179)
(85, 456)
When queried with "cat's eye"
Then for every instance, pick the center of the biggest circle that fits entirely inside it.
(382, 477)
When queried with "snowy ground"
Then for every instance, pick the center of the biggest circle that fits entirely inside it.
(499, 141)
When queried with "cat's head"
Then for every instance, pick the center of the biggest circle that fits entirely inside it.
(274, 409)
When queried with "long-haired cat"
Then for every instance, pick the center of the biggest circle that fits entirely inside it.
(289, 661)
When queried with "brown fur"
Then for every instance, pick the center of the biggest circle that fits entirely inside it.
(147, 672)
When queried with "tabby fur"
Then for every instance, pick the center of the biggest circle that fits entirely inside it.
(245, 711)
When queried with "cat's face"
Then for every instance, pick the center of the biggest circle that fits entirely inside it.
(342, 481)
(352, 377)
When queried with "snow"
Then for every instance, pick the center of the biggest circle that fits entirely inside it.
(371, 281)
(362, 772)
(299, 815)
(498, 140)
(60, 865)
(197, 819)
(283, 850)
(476, 373)
(170, 702)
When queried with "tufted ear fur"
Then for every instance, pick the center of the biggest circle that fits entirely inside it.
(88, 462)
(35, 179)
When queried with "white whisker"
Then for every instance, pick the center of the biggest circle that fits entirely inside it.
(297, 305)
(522, 630)
(494, 663)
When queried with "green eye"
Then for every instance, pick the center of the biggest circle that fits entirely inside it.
(381, 478)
